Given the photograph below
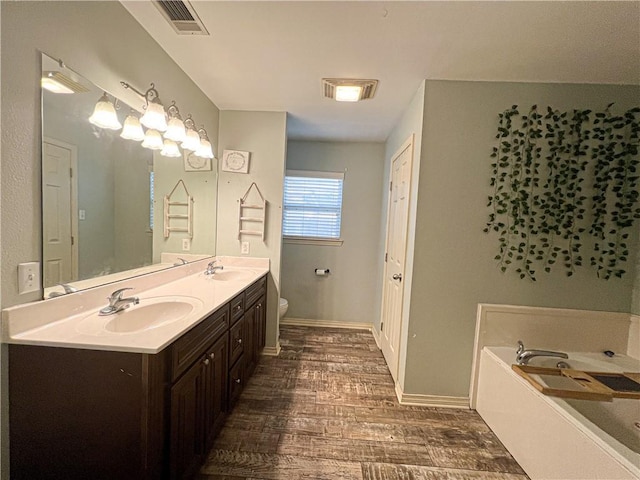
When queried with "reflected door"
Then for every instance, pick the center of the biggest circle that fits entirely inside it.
(58, 206)
(397, 227)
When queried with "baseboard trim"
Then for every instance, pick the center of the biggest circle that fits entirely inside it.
(308, 322)
(376, 336)
(272, 351)
(440, 401)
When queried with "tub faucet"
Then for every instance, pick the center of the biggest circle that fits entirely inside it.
(523, 356)
(212, 267)
(117, 303)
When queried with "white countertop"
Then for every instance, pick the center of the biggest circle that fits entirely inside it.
(71, 321)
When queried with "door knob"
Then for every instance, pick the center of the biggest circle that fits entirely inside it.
(397, 276)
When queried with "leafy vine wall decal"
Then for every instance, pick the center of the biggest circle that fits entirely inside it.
(558, 177)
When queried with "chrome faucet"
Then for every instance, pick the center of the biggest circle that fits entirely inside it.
(117, 303)
(181, 261)
(67, 289)
(212, 267)
(523, 356)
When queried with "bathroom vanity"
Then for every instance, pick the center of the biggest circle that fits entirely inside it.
(78, 413)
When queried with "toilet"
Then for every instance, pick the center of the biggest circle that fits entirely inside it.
(284, 305)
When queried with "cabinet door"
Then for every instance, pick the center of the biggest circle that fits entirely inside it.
(250, 341)
(261, 324)
(215, 403)
(187, 421)
(236, 381)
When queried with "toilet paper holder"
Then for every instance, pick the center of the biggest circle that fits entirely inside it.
(321, 272)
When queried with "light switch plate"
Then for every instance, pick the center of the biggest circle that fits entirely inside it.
(244, 248)
(186, 244)
(28, 277)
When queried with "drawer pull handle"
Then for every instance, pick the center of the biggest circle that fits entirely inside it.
(212, 356)
(239, 341)
(206, 361)
(237, 380)
(238, 308)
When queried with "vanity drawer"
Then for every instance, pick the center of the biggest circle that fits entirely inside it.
(237, 308)
(192, 345)
(236, 342)
(255, 291)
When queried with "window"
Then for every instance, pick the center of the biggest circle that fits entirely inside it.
(312, 206)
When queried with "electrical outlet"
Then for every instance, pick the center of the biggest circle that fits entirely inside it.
(28, 277)
(82, 214)
(244, 248)
(186, 244)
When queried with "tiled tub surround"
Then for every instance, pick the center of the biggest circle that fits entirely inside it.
(553, 438)
(60, 321)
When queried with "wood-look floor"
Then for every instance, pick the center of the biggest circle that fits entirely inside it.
(325, 408)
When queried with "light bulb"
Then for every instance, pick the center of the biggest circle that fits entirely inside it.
(154, 117)
(104, 114)
(170, 149)
(175, 130)
(153, 140)
(132, 129)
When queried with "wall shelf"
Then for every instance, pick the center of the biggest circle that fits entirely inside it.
(252, 212)
(169, 215)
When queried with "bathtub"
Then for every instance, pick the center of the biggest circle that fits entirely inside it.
(554, 438)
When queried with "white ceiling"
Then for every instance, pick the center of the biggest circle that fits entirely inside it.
(272, 56)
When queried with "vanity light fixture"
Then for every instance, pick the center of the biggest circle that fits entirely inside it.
(104, 114)
(154, 116)
(132, 129)
(205, 150)
(192, 140)
(153, 140)
(170, 149)
(175, 128)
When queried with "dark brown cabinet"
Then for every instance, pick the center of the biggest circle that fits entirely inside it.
(198, 406)
(77, 414)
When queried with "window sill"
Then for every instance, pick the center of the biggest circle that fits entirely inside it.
(313, 241)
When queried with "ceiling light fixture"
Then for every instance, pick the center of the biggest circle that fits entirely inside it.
(57, 82)
(348, 90)
(104, 114)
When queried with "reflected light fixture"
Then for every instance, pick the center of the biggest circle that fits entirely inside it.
(104, 114)
(170, 149)
(175, 128)
(51, 84)
(205, 150)
(153, 140)
(192, 139)
(132, 129)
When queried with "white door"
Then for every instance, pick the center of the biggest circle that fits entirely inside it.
(58, 202)
(396, 247)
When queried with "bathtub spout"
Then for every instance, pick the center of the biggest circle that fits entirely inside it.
(523, 356)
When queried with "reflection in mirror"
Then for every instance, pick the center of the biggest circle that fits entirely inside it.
(98, 214)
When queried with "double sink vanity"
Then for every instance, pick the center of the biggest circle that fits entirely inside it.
(141, 393)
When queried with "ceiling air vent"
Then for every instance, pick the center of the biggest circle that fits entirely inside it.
(354, 89)
(182, 17)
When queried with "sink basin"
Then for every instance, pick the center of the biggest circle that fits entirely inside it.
(232, 275)
(150, 313)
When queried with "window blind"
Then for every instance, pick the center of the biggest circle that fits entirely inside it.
(312, 204)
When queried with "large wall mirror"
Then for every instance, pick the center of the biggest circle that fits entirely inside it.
(102, 195)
